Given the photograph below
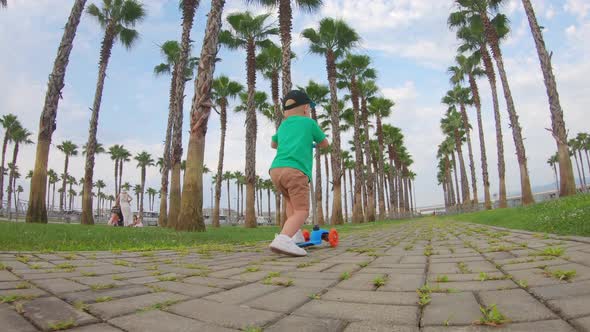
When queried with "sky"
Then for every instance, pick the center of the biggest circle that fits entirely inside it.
(409, 44)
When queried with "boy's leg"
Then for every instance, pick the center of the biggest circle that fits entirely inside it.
(297, 203)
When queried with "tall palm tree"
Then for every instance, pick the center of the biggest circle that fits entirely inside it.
(559, 132)
(124, 156)
(249, 32)
(552, 162)
(137, 191)
(471, 33)
(228, 176)
(381, 109)
(480, 8)
(99, 185)
(20, 136)
(70, 150)
(188, 8)
(285, 25)
(468, 68)
(223, 90)
(319, 94)
(367, 90)
(144, 160)
(332, 39)
(352, 69)
(71, 181)
(115, 153)
(461, 97)
(37, 210)
(452, 125)
(117, 18)
(53, 178)
(9, 123)
(151, 195)
(269, 63)
(581, 140)
(191, 213)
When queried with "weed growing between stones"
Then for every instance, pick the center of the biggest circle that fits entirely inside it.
(442, 278)
(168, 278)
(523, 283)
(88, 274)
(345, 276)
(252, 269)
(561, 275)
(14, 298)
(304, 265)
(424, 297)
(103, 299)
(380, 281)
(463, 267)
(65, 266)
(363, 264)
(23, 285)
(121, 262)
(253, 329)
(553, 251)
(118, 278)
(62, 325)
(155, 289)
(81, 306)
(491, 316)
(96, 287)
(315, 296)
(159, 306)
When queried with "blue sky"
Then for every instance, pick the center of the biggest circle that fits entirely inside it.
(408, 41)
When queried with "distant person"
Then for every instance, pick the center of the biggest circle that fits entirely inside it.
(116, 215)
(124, 199)
(290, 171)
(136, 221)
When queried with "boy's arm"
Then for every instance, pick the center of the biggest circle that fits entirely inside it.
(274, 145)
(324, 144)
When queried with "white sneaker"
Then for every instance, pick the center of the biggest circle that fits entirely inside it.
(298, 237)
(283, 244)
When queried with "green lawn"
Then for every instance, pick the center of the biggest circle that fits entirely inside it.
(566, 216)
(62, 237)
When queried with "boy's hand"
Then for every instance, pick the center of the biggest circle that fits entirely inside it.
(324, 144)
(274, 145)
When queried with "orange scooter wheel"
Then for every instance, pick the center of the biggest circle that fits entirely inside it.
(333, 238)
(306, 235)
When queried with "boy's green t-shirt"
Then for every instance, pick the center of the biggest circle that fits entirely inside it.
(295, 139)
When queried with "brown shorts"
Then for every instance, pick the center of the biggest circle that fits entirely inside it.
(294, 185)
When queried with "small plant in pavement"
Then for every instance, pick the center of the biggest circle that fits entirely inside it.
(561, 275)
(62, 325)
(523, 283)
(379, 281)
(491, 316)
(345, 276)
(252, 269)
(463, 267)
(483, 276)
(103, 299)
(442, 278)
(553, 251)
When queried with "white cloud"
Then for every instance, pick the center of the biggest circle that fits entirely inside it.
(578, 8)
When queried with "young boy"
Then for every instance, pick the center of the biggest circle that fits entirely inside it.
(291, 169)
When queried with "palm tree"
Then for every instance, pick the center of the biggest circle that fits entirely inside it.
(115, 153)
(151, 195)
(99, 185)
(70, 150)
(117, 18)
(472, 35)
(191, 213)
(137, 191)
(352, 69)
(223, 90)
(126, 186)
(269, 62)
(479, 8)
(285, 25)
(553, 161)
(559, 132)
(9, 123)
(381, 108)
(19, 136)
(319, 94)
(228, 176)
(37, 210)
(144, 160)
(124, 156)
(452, 125)
(332, 39)
(468, 68)
(53, 178)
(581, 140)
(461, 97)
(249, 32)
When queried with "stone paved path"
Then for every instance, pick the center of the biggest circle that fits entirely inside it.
(369, 283)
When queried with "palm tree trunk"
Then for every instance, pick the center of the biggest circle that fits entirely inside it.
(351, 191)
(466, 127)
(525, 182)
(336, 218)
(188, 13)
(459, 198)
(228, 215)
(285, 24)
(578, 167)
(37, 210)
(381, 167)
(116, 176)
(4, 147)
(277, 209)
(566, 172)
(345, 200)
(251, 129)
(451, 188)
(464, 182)
(53, 199)
(370, 180)
(62, 198)
(166, 159)
(223, 126)
(268, 196)
(142, 193)
(191, 214)
(482, 144)
(556, 179)
(583, 179)
(387, 191)
(491, 74)
(357, 208)
(120, 174)
(11, 180)
(392, 194)
(105, 53)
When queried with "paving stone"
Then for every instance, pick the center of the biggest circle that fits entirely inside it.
(32, 292)
(242, 294)
(150, 279)
(7, 276)
(359, 282)
(371, 297)
(306, 324)
(392, 270)
(96, 328)
(9, 284)
(89, 296)
(102, 280)
(378, 327)
(517, 305)
(477, 285)
(124, 306)
(451, 309)
(443, 268)
(313, 275)
(572, 307)
(213, 282)
(284, 300)
(227, 315)
(53, 275)
(544, 325)
(162, 322)
(464, 276)
(317, 267)
(562, 290)
(313, 283)
(535, 277)
(582, 323)
(532, 265)
(49, 310)
(12, 321)
(413, 260)
(226, 273)
(60, 285)
(187, 289)
(250, 276)
(340, 268)
(401, 315)
(402, 283)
